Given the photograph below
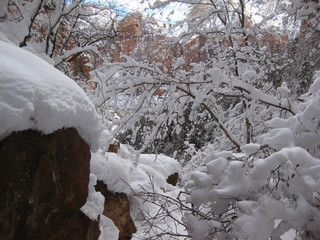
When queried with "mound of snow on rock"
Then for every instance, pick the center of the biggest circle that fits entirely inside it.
(133, 172)
(35, 95)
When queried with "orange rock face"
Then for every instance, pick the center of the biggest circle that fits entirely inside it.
(140, 38)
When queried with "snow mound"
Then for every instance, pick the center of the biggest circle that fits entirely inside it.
(125, 175)
(35, 95)
(139, 176)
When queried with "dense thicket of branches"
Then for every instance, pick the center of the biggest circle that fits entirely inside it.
(68, 32)
(232, 72)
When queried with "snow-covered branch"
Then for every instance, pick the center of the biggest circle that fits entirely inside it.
(66, 56)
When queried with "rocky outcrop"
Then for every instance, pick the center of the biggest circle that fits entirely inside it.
(117, 208)
(43, 184)
(114, 147)
(173, 179)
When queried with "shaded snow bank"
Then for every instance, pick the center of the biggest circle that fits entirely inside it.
(133, 175)
(130, 173)
(35, 95)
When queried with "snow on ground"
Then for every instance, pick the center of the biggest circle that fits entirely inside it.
(35, 95)
(134, 174)
(131, 172)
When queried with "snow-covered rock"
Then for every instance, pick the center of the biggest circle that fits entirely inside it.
(35, 95)
(125, 175)
(131, 174)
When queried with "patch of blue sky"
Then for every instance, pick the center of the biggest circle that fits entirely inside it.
(122, 11)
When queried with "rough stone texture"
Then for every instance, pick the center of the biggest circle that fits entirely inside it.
(116, 207)
(173, 179)
(43, 184)
(114, 147)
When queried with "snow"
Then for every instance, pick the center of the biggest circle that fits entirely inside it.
(216, 75)
(35, 95)
(257, 217)
(222, 154)
(250, 148)
(200, 229)
(300, 129)
(93, 208)
(217, 167)
(276, 195)
(278, 139)
(201, 180)
(17, 32)
(284, 90)
(261, 217)
(315, 86)
(278, 123)
(271, 194)
(162, 164)
(134, 174)
(4, 10)
(108, 230)
(179, 62)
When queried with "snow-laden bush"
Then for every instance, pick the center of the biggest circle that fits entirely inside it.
(257, 196)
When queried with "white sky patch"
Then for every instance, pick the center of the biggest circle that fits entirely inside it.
(172, 13)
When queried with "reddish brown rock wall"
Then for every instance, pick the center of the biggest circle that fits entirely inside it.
(43, 184)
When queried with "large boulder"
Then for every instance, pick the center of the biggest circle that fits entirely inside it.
(43, 184)
(47, 127)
